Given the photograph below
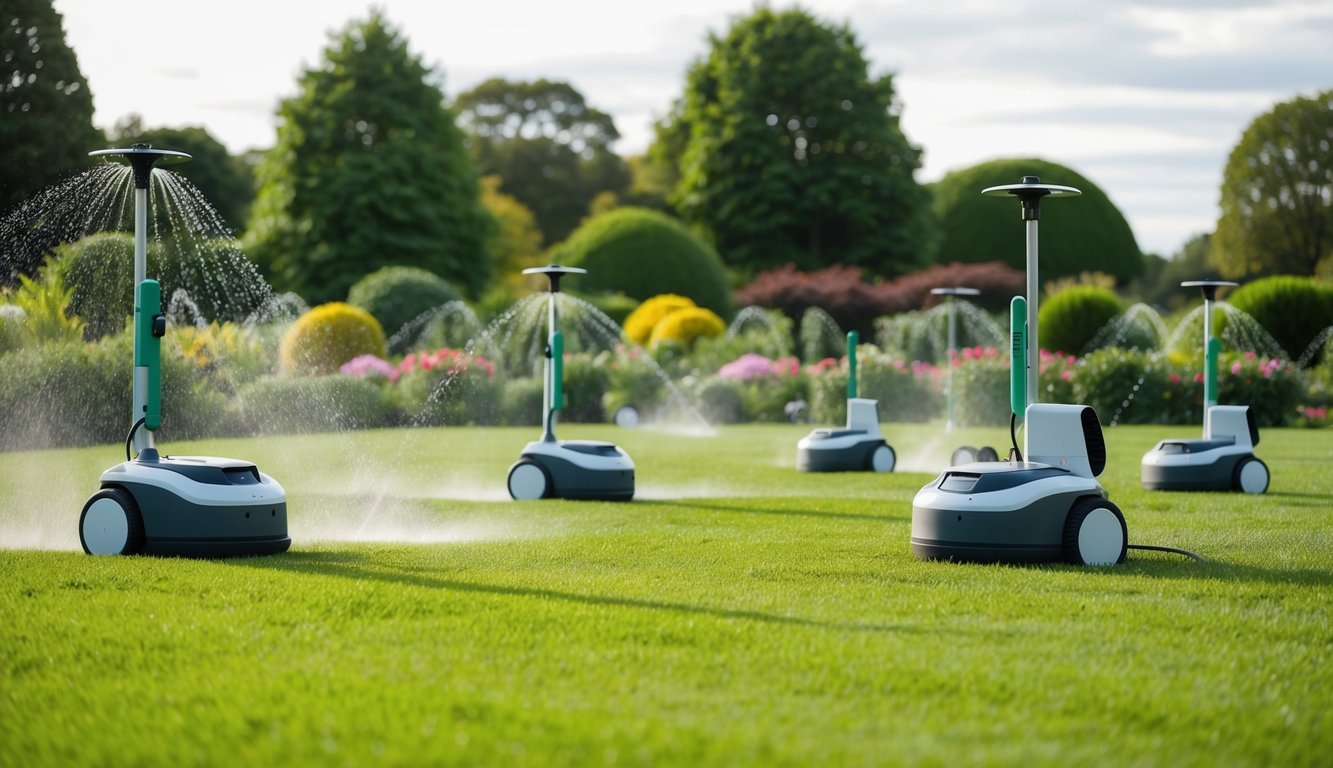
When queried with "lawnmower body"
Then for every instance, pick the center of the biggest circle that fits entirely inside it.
(1045, 509)
(572, 469)
(1222, 460)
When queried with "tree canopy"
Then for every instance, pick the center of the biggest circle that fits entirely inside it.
(46, 107)
(788, 151)
(1082, 234)
(369, 170)
(551, 150)
(1277, 193)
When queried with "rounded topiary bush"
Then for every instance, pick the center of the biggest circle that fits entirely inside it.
(641, 322)
(310, 404)
(684, 326)
(398, 295)
(327, 336)
(1070, 319)
(1292, 309)
(643, 253)
(1087, 234)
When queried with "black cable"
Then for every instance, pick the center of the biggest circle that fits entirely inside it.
(1013, 437)
(129, 439)
(1173, 550)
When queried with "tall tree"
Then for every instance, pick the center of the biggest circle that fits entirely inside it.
(46, 107)
(226, 182)
(790, 152)
(550, 149)
(1277, 193)
(369, 170)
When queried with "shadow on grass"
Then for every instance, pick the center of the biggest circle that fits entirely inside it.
(784, 512)
(358, 567)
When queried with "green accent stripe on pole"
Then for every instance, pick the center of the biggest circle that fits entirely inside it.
(148, 348)
(1211, 356)
(852, 338)
(1018, 356)
(557, 371)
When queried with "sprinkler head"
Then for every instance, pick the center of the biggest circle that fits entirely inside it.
(554, 272)
(142, 158)
(1029, 192)
(1209, 287)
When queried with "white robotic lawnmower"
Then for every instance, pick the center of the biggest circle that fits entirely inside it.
(857, 447)
(566, 469)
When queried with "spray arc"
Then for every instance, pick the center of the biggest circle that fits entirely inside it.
(196, 506)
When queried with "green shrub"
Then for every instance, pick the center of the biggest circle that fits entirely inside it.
(12, 332)
(74, 393)
(981, 390)
(1070, 319)
(642, 253)
(398, 295)
(220, 281)
(44, 305)
(1133, 387)
(721, 401)
(634, 379)
(820, 336)
(447, 388)
(327, 336)
(521, 402)
(584, 388)
(904, 392)
(1272, 388)
(297, 404)
(616, 306)
(685, 326)
(1293, 309)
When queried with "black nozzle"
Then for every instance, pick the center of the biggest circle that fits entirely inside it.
(142, 158)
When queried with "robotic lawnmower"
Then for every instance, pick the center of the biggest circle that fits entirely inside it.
(1049, 506)
(194, 506)
(859, 446)
(1224, 459)
(566, 469)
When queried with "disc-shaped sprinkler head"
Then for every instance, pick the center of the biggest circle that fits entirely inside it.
(1209, 287)
(554, 272)
(955, 291)
(1029, 192)
(142, 159)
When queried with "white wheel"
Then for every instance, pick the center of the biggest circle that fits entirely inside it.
(882, 459)
(528, 481)
(988, 453)
(111, 524)
(1095, 533)
(964, 454)
(626, 416)
(1252, 476)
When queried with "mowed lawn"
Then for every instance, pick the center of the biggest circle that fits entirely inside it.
(736, 613)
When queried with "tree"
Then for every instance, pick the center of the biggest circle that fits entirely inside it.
(46, 107)
(369, 170)
(516, 243)
(1083, 234)
(226, 182)
(789, 152)
(1277, 193)
(551, 150)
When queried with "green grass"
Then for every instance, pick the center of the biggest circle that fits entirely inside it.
(737, 613)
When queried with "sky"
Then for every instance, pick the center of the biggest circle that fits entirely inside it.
(1145, 99)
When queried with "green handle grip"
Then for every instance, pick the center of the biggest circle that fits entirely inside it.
(852, 339)
(1018, 355)
(148, 348)
(557, 371)
(1211, 355)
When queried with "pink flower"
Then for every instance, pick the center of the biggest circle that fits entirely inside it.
(1198, 378)
(1235, 369)
(1064, 375)
(747, 366)
(365, 366)
(1175, 378)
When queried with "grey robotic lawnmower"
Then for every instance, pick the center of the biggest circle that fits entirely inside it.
(197, 506)
(1042, 508)
(857, 447)
(566, 469)
(1223, 460)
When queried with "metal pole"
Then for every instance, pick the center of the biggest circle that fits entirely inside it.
(1033, 289)
(548, 392)
(949, 358)
(143, 438)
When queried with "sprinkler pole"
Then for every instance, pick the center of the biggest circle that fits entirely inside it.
(852, 338)
(553, 393)
(949, 294)
(1029, 192)
(148, 328)
(1212, 346)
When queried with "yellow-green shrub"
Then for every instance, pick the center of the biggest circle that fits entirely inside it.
(641, 322)
(328, 336)
(683, 326)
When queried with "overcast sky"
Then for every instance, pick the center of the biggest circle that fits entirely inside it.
(1146, 99)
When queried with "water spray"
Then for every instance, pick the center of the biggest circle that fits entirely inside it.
(952, 346)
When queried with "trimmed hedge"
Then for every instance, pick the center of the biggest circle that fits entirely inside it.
(294, 405)
(327, 336)
(398, 295)
(642, 253)
(1070, 320)
(1293, 309)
